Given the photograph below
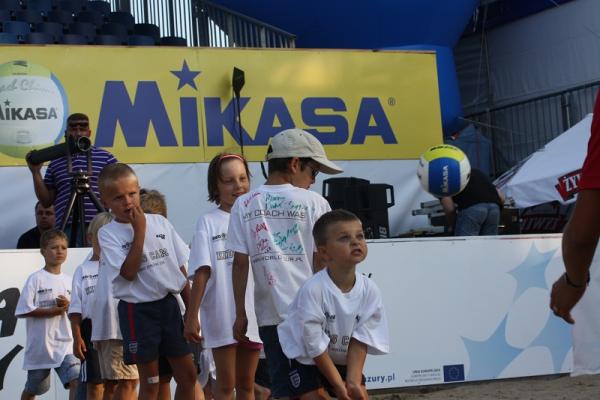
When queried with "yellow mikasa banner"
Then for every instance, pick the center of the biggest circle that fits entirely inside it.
(166, 105)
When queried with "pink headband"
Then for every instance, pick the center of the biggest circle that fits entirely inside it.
(225, 156)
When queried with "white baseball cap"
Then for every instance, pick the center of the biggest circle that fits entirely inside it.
(301, 144)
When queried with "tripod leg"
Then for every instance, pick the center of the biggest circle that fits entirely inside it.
(69, 210)
(82, 227)
(95, 200)
(75, 221)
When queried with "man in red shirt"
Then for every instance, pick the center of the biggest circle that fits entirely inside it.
(580, 237)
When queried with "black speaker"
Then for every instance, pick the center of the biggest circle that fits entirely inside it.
(369, 201)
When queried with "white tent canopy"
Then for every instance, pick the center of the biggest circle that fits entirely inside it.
(542, 176)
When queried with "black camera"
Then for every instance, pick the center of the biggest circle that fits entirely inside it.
(72, 145)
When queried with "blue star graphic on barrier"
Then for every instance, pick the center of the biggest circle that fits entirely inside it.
(490, 357)
(557, 337)
(531, 272)
(186, 76)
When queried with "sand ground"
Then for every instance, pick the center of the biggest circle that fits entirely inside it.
(547, 387)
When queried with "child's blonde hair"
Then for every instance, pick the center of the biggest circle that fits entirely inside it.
(98, 222)
(153, 202)
(111, 173)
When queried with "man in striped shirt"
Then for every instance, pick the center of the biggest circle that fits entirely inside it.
(55, 187)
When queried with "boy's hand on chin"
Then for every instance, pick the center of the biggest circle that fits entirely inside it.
(137, 219)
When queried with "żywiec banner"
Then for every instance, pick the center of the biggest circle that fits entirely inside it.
(170, 105)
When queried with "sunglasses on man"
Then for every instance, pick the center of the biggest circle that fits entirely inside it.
(79, 125)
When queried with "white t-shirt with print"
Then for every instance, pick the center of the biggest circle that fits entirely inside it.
(104, 313)
(49, 339)
(322, 318)
(164, 253)
(217, 310)
(273, 226)
(84, 285)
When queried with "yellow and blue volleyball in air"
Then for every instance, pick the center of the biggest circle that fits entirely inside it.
(444, 170)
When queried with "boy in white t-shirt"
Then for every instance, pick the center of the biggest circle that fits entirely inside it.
(144, 255)
(270, 227)
(80, 314)
(44, 302)
(120, 378)
(337, 316)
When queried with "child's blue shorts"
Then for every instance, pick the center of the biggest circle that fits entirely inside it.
(151, 330)
(38, 380)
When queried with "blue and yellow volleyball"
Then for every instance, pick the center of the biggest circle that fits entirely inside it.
(444, 170)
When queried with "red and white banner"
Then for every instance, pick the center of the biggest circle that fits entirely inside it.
(551, 173)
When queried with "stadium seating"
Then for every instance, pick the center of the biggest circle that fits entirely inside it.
(52, 28)
(76, 22)
(73, 6)
(60, 16)
(147, 30)
(29, 16)
(102, 7)
(40, 38)
(123, 18)
(4, 15)
(11, 5)
(19, 28)
(44, 6)
(93, 17)
(115, 29)
(173, 41)
(84, 28)
(141, 40)
(109, 40)
(8, 38)
(74, 38)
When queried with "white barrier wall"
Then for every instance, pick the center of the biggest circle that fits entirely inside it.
(468, 309)
(459, 309)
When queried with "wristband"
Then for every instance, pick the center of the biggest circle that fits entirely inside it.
(570, 282)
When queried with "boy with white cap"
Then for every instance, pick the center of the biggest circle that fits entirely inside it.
(271, 227)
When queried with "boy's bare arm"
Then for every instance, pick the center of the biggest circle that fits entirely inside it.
(328, 369)
(185, 293)
(357, 354)
(79, 348)
(579, 243)
(133, 261)
(44, 312)
(191, 329)
(62, 305)
(241, 265)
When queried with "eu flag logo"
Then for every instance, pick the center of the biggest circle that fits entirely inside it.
(454, 373)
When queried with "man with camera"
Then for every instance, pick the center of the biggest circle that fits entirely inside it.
(56, 186)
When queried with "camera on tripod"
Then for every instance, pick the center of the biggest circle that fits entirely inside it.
(80, 183)
(71, 145)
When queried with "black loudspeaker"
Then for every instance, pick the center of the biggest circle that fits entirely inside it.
(369, 201)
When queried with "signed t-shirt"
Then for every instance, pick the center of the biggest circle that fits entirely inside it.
(273, 226)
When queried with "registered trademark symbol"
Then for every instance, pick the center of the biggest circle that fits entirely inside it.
(391, 101)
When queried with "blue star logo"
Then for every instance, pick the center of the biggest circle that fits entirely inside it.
(186, 76)
(531, 272)
(557, 337)
(488, 358)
